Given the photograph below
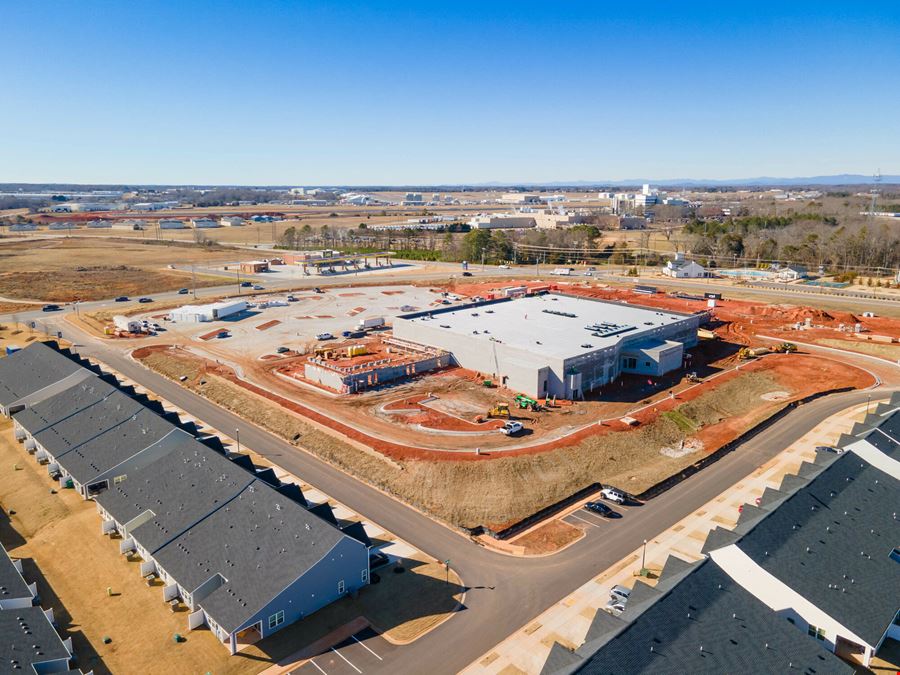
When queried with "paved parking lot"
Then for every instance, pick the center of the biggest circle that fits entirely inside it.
(362, 652)
(592, 522)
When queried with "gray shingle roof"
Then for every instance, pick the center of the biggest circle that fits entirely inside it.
(260, 541)
(830, 542)
(181, 488)
(28, 637)
(12, 585)
(709, 624)
(118, 442)
(32, 369)
(63, 406)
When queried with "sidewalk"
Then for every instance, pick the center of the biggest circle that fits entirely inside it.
(567, 622)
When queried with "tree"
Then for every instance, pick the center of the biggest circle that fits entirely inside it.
(475, 243)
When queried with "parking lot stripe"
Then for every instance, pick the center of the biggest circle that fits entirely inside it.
(585, 521)
(366, 648)
(346, 659)
(317, 667)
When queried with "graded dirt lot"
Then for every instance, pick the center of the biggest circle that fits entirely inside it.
(66, 269)
(497, 489)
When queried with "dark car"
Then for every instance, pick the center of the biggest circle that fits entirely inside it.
(601, 509)
(246, 284)
(50, 308)
(467, 274)
(145, 300)
(377, 559)
(122, 298)
(183, 291)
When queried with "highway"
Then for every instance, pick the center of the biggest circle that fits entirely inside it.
(504, 593)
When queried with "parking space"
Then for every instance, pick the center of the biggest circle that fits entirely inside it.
(590, 521)
(363, 652)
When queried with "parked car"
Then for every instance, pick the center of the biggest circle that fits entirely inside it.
(615, 607)
(317, 290)
(50, 308)
(291, 298)
(613, 495)
(619, 592)
(377, 559)
(246, 284)
(257, 287)
(145, 300)
(183, 291)
(504, 267)
(282, 350)
(324, 336)
(512, 428)
(601, 509)
(467, 274)
(346, 333)
(829, 448)
(122, 298)
(755, 501)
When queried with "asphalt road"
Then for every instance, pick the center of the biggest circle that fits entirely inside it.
(504, 592)
(439, 271)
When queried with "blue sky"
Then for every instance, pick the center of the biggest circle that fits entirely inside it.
(450, 92)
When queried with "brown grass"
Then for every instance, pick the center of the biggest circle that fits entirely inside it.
(885, 351)
(62, 270)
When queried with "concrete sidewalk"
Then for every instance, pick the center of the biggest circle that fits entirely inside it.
(567, 622)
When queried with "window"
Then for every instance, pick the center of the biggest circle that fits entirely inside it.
(341, 586)
(276, 620)
(818, 633)
(365, 576)
(629, 362)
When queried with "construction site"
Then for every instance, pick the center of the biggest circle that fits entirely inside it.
(326, 371)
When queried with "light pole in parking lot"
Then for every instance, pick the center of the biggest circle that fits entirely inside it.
(644, 557)
(237, 437)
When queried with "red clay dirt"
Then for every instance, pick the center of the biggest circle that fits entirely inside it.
(815, 374)
(268, 324)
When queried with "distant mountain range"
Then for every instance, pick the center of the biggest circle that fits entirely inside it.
(761, 181)
(846, 179)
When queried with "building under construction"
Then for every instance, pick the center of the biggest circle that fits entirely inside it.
(355, 367)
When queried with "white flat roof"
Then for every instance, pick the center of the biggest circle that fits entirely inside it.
(523, 323)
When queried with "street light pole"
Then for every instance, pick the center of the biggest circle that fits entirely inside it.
(644, 556)
(238, 439)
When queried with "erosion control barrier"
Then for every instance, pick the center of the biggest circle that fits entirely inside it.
(658, 488)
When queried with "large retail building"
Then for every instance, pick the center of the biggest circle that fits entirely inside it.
(555, 344)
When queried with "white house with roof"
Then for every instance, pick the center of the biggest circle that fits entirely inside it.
(681, 268)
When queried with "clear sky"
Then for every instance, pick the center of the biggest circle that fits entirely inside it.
(349, 93)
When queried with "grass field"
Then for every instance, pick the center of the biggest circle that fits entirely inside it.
(502, 490)
(66, 269)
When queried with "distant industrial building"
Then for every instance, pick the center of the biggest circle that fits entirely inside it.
(413, 199)
(212, 312)
(520, 198)
(203, 223)
(555, 344)
(171, 224)
(231, 221)
(558, 220)
(681, 268)
(502, 221)
(154, 206)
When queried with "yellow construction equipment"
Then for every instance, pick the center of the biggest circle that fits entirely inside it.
(500, 409)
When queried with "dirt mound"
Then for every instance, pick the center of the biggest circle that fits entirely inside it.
(795, 313)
